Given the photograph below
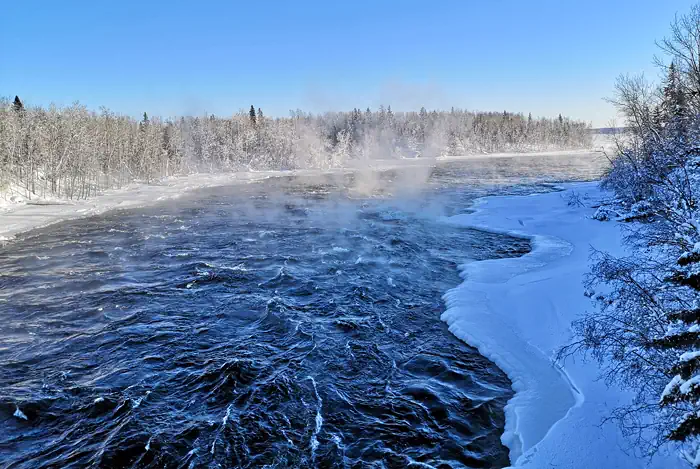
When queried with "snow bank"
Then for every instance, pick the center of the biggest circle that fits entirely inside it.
(518, 312)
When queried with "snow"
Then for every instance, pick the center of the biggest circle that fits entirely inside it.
(687, 356)
(582, 151)
(671, 386)
(518, 313)
(690, 384)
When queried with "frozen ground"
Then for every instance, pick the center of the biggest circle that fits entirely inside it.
(518, 312)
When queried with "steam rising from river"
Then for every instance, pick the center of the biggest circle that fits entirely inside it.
(291, 323)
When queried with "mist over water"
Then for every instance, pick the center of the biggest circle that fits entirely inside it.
(288, 323)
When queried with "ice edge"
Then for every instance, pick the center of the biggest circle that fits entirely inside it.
(464, 307)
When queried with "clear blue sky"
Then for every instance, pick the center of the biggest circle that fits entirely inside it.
(173, 57)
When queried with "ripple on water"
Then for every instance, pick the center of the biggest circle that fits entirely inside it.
(257, 337)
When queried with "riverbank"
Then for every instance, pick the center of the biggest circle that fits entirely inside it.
(26, 215)
(518, 312)
(22, 215)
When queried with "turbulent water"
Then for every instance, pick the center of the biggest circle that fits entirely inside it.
(288, 323)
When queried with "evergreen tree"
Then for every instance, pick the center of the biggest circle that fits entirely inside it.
(144, 122)
(675, 103)
(17, 104)
(657, 118)
(252, 115)
(646, 334)
(670, 89)
(260, 116)
(683, 391)
(167, 146)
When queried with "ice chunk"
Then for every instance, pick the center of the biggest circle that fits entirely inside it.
(19, 414)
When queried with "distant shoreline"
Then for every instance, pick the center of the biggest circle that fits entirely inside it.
(17, 218)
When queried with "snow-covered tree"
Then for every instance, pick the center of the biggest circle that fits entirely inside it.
(72, 152)
(645, 330)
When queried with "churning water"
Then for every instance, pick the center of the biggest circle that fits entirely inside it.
(286, 323)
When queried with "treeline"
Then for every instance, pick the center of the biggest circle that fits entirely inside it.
(645, 329)
(75, 153)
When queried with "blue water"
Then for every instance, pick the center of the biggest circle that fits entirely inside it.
(287, 323)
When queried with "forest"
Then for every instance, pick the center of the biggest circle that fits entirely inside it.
(74, 153)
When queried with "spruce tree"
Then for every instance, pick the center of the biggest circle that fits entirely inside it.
(260, 116)
(144, 122)
(17, 105)
(675, 102)
(670, 91)
(657, 118)
(683, 391)
(252, 115)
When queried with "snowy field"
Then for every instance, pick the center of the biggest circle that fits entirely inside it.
(518, 312)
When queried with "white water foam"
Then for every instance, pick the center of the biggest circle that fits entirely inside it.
(319, 419)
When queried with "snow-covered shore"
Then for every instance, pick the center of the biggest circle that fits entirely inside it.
(518, 312)
(27, 215)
